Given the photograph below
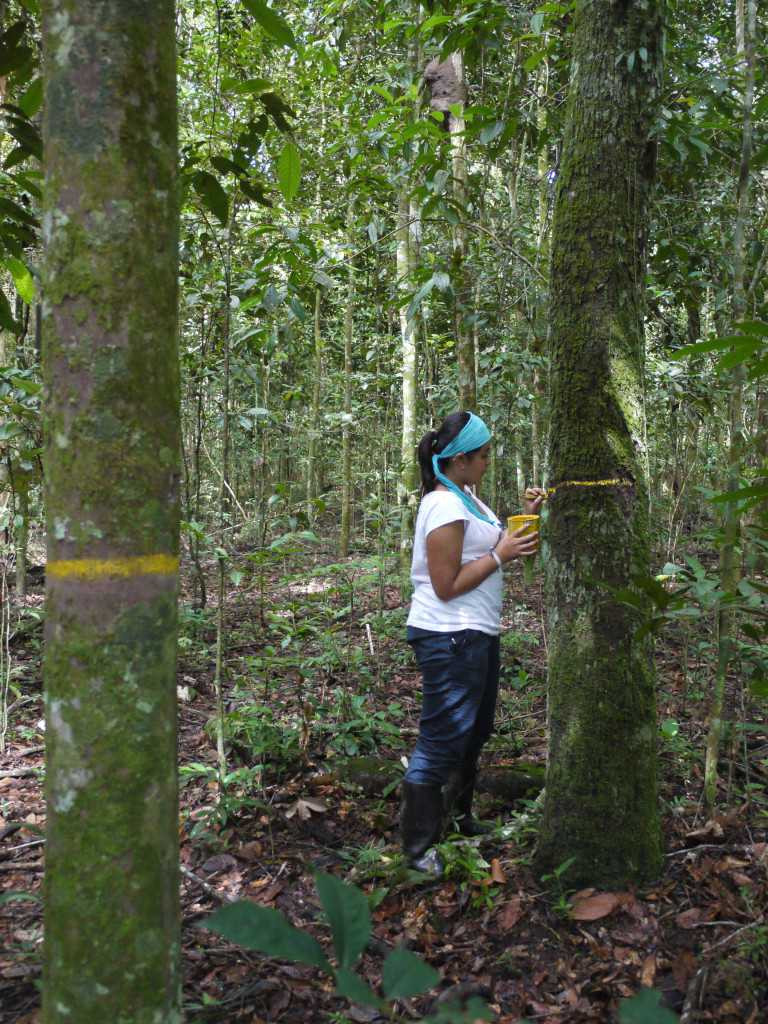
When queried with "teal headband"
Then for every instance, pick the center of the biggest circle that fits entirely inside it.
(471, 437)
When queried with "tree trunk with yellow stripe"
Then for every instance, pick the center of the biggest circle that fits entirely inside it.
(601, 800)
(112, 474)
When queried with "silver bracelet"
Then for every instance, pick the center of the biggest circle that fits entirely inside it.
(494, 555)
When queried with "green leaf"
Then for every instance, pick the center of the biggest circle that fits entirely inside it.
(491, 132)
(32, 99)
(212, 194)
(759, 491)
(12, 55)
(16, 895)
(268, 931)
(758, 685)
(404, 974)
(272, 23)
(251, 86)
(22, 278)
(289, 171)
(276, 108)
(754, 327)
(6, 316)
(670, 728)
(713, 345)
(645, 1008)
(352, 987)
(348, 916)
(226, 166)
(15, 211)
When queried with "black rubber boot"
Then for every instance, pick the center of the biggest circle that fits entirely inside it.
(462, 791)
(421, 822)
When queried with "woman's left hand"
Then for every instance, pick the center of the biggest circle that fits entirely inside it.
(533, 499)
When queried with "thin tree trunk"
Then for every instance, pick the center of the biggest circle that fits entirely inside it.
(730, 552)
(112, 475)
(346, 435)
(601, 798)
(314, 416)
(408, 483)
(465, 356)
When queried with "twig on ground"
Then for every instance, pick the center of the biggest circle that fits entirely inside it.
(208, 889)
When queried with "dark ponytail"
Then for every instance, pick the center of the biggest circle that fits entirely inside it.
(433, 443)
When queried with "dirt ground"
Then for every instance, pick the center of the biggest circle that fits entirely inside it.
(313, 787)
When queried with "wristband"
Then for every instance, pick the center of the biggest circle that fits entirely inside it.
(494, 555)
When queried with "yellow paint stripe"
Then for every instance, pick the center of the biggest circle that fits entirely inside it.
(102, 568)
(590, 483)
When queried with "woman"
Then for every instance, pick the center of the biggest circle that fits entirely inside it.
(453, 626)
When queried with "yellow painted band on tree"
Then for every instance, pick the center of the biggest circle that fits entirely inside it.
(101, 568)
(590, 483)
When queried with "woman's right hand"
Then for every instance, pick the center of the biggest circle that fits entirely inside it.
(517, 544)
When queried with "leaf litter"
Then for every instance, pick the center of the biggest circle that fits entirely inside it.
(533, 956)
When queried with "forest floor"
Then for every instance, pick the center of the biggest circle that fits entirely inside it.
(322, 700)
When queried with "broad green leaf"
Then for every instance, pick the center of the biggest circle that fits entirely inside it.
(348, 916)
(491, 132)
(6, 316)
(758, 685)
(251, 86)
(22, 278)
(645, 1008)
(670, 728)
(289, 171)
(352, 987)
(433, 22)
(268, 931)
(754, 327)
(758, 491)
(273, 24)
(16, 895)
(739, 355)
(537, 20)
(212, 194)
(14, 211)
(404, 974)
(226, 166)
(32, 99)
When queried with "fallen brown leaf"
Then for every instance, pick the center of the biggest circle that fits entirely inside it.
(497, 873)
(690, 918)
(304, 807)
(592, 908)
(683, 969)
(510, 914)
(648, 971)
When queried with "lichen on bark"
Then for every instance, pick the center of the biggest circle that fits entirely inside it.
(600, 806)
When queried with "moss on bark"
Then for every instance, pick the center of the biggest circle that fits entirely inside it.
(600, 803)
(110, 224)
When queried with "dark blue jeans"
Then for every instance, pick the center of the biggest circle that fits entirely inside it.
(460, 684)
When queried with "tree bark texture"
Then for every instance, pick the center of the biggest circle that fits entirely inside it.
(407, 252)
(110, 226)
(346, 429)
(731, 549)
(601, 793)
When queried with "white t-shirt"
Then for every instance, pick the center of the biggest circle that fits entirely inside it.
(477, 609)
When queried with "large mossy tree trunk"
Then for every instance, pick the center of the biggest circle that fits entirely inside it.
(601, 792)
(110, 225)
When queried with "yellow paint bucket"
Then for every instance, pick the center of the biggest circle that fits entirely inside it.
(514, 523)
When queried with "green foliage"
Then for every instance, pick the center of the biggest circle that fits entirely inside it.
(289, 171)
(272, 23)
(346, 908)
(645, 1008)
(353, 726)
(269, 739)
